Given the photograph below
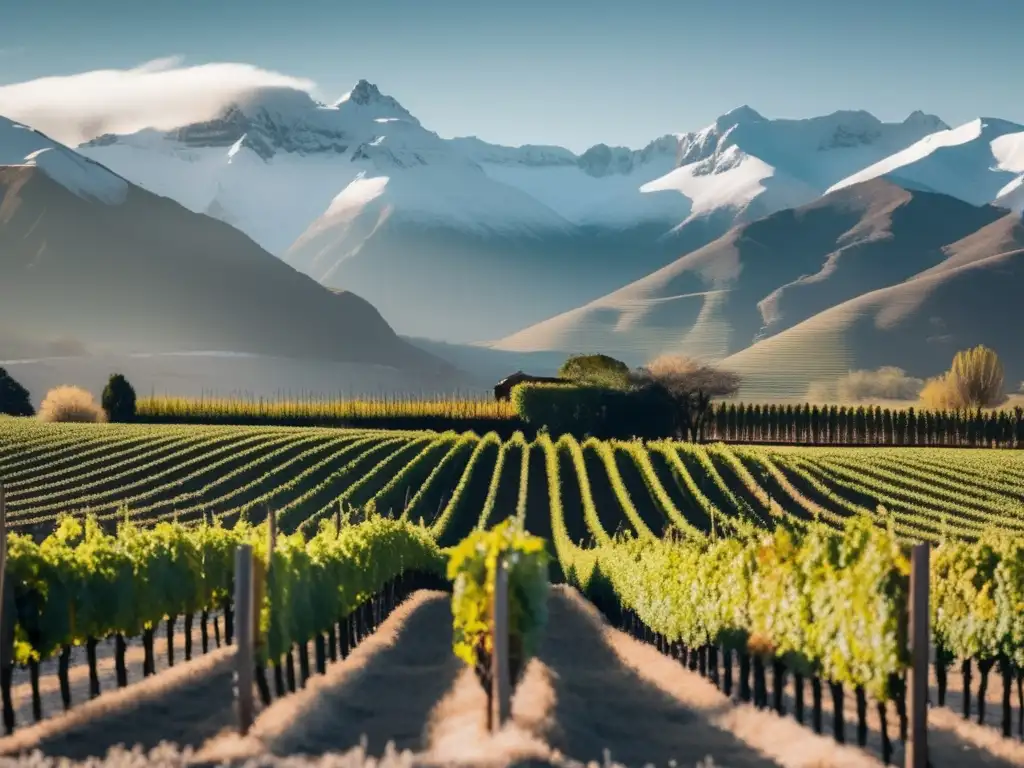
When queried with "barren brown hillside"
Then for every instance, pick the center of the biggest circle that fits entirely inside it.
(765, 277)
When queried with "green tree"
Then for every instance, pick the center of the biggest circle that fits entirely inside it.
(596, 370)
(14, 398)
(119, 399)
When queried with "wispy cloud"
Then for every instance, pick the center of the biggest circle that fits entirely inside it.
(160, 94)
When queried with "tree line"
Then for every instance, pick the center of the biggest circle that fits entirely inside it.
(685, 388)
(70, 404)
(865, 425)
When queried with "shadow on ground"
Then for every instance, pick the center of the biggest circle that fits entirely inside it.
(601, 704)
(384, 692)
(185, 705)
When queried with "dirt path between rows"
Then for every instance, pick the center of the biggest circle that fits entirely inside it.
(607, 693)
(592, 695)
(627, 693)
(78, 673)
(385, 691)
(185, 705)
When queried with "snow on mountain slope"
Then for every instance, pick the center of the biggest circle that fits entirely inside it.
(447, 236)
(20, 145)
(1012, 195)
(742, 163)
(980, 162)
(272, 165)
(531, 155)
(462, 197)
(149, 276)
(275, 162)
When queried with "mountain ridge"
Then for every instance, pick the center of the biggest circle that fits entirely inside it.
(144, 274)
(764, 277)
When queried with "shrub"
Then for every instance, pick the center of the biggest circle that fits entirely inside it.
(119, 399)
(864, 386)
(70, 404)
(939, 394)
(583, 411)
(573, 409)
(887, 383)
(14, 398)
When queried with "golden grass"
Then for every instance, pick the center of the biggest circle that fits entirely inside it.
(315, 409)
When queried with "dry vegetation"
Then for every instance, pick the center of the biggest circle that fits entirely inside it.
(886, 384)
(975, 380)
(74, 404)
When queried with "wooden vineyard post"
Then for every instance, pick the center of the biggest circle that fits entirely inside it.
(244, 660)
(260, 588)
(6, 624)
(265, 586)
(500, 682)
(3, 555)
(917, 744)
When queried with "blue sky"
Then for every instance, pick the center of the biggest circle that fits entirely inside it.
(570, 73)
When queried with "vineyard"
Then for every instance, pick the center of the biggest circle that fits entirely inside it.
(454, 482)
(692, 548)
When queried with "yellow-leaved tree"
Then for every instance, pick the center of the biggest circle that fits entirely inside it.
(977, 376)
(975, 380)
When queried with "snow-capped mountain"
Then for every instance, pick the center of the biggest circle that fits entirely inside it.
(271, 165)
(22, 146)
(980, 162)
(465, 240)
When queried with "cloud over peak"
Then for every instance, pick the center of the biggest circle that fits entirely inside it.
(162, 94)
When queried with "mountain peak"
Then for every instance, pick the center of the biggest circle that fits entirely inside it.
(365, 92)
(924, 120)
(741, 114)
(367, 98)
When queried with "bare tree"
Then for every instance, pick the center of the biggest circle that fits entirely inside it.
(692, 386)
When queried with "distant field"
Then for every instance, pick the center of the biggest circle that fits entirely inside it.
(455, 481)
(319, 411)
